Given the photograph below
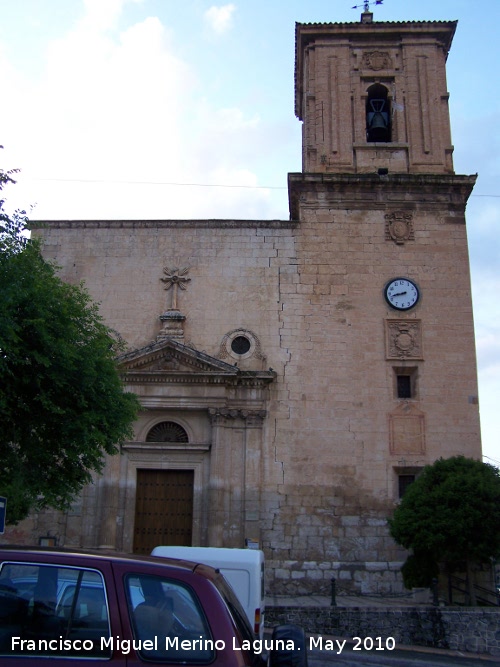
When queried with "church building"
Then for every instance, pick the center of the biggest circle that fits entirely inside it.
(295, 375)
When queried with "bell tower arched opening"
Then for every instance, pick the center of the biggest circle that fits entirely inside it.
(378, 114)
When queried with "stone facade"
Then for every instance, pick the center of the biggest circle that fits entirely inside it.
(270, 343)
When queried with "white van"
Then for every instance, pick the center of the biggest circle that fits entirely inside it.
(243, 569)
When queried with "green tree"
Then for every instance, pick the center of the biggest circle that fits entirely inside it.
(62, 403)
(449, 515)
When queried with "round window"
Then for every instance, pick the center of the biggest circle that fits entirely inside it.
(240, 345)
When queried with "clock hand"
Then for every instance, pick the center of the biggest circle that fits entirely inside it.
(400, 294)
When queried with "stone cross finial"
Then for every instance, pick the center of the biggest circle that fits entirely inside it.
(175, 278)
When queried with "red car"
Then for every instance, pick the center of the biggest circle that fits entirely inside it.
(76, 607)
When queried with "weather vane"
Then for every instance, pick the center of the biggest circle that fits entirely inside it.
(366, 5)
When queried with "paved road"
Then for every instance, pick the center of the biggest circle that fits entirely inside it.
(396, 658)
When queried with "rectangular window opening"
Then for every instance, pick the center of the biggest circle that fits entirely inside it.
(404, 481)
(404, 386)
(405, 383)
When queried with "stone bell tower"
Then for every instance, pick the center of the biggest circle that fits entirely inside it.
(384, 280)
(373, 96)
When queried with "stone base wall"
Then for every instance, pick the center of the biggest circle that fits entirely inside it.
(471, 630)
(293, 577)
(313, 533)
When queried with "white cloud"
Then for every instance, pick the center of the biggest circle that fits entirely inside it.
(103, 14)
(116, 106)
(108, 112)
(129, 109)
(234, 120)
(220, 19)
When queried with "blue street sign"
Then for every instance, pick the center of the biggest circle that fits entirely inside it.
(3, 507)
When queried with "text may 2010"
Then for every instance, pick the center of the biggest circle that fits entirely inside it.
(359, 644)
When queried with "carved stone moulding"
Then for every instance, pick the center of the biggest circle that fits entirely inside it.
(173, 325)
(166, 362)
(149, 451)
(403, 339)
(250, 417)
(399, 227)
(407, 430)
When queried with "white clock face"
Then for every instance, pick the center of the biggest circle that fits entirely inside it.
(401, 293)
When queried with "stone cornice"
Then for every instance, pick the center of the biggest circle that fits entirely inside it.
(373, 191)
(162, 224)
(164, 446)
(247, 379)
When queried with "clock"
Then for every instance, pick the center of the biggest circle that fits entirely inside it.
(401, 293)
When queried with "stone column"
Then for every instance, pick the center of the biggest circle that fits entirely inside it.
(107, 504)
(253, 472)
(216, 510)
(235, 477)
(227, 479)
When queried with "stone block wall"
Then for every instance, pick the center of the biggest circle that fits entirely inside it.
(471, 630)
(309, 577)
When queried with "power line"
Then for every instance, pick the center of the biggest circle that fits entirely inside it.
(196, 185)
(191, 185)
(489, 457)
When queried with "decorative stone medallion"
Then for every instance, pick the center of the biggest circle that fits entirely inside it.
(377, 60)
(403, 339)
(399, 227)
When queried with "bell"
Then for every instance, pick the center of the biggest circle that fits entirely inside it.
(377, 121)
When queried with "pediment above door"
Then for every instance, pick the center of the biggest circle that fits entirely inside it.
(170, 361)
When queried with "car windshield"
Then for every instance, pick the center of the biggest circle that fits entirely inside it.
(168, 620)
(235, 608)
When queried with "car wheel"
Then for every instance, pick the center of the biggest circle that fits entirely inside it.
(285, 656)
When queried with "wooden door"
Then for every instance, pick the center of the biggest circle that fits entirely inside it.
(163, 509)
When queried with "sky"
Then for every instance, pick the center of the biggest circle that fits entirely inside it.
(159, 109)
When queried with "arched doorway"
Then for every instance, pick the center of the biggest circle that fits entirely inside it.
(164, 498)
